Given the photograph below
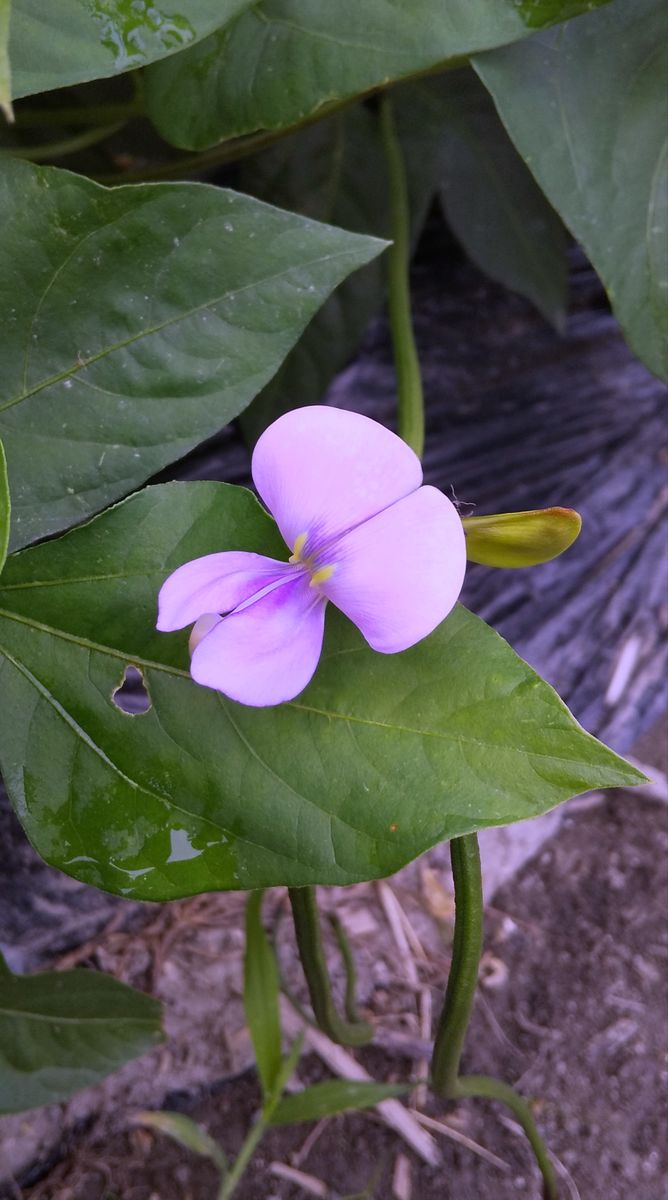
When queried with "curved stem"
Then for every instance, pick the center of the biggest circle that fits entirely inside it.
(69, 145)
(350, 998)
(312, 955)
(494, 1089)
(409, 381)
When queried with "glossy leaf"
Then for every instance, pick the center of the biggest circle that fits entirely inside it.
(65, 1030)
(5, 510)
(521, 539)
(282, 60)
(136, 322)
(380, 758)
(186, 1132)
(490, 198)
(59, 44)
(587, 107)
(261, 991)
(5, 67)
(331, 1097)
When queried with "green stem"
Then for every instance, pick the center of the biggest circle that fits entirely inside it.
(409, 382)
(459, 997)
(485, 1087)
(463, 978)
(314, 963)
(59, 149)
(251, 1142)
(350, 998)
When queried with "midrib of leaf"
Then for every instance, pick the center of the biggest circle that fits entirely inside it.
(328, 715)
(183, 316)
(32, 1015)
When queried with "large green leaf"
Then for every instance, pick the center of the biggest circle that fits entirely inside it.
(283, 59)
(136, 322)
(65, 1030)
(57, 44)
(587, 107)
(380, 758)
(490, 198)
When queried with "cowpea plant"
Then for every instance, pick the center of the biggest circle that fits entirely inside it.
(143, 311)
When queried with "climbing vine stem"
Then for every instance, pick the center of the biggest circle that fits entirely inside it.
(407, 364)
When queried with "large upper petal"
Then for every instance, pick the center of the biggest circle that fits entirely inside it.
(215, 583)
(324, 470)
(399, 575)
(266, 652)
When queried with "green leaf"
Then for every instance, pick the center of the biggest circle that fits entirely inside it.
(331, 1097)
(136, 322)
(5, 508)
(490, 198)
(282, 60)
(587, 107)
(380, 758)
(5, 67)
(65, 1030)
(184, 1131)
(57, 45)
(261, 992)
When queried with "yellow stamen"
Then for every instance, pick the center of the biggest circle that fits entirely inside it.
(300, 542)
(322, 575)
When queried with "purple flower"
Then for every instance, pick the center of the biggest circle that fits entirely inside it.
(347, 497)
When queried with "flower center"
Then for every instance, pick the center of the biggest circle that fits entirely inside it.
(319, 573)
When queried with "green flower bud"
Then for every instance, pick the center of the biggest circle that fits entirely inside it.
(521, 539)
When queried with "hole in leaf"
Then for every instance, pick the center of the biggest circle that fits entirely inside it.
(131, 696)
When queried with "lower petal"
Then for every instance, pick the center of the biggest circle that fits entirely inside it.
(398, 575)
(215, 583)
(267, 652)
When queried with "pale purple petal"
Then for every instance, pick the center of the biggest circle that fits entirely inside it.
(399, 575)
(266, 652)
(323, 470)
(215, 583)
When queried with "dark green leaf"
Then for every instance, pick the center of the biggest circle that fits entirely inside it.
(261, 992)
(331, 1097)
(587, 107)
(65, 1030)
(282, 60)
(136, 322)
(380, 758)
(5, 510)
(184, 1131)
(58, 44)
(490, 198)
